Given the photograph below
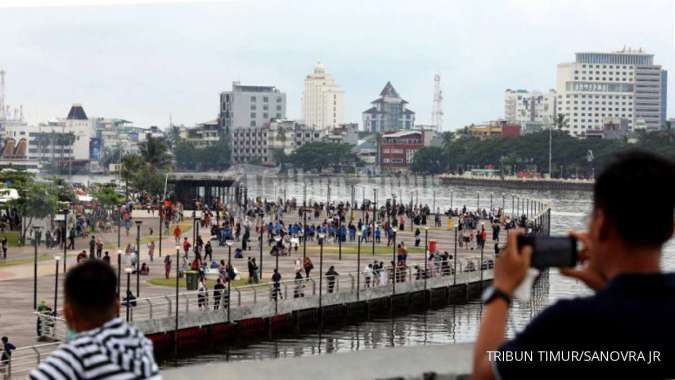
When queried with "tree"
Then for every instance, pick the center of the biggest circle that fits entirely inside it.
(155, 152)
(36, 200)
(317, 156)
(428, 161)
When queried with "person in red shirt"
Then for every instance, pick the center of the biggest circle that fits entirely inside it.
(176, 233)
(186, 246)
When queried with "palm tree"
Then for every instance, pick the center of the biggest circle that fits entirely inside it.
(155, 152)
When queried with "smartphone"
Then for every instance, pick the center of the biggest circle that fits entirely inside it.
(551, 251)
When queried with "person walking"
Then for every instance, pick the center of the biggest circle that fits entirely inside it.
(7, 349)
(5, 245)
(331, 276)
(167, 266)
(276, 290)
(218, 290)
(92, 247)
(299, 285)
(177, 233)
(151, 250)
(308, 265)
(99, 248)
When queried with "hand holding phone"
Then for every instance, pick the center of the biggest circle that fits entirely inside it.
(551, 251)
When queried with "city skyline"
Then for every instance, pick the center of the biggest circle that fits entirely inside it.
(145, 62)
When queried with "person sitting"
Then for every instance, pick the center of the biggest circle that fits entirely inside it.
(238, 254)
(632, 308)
(103, 346)
(145, 269)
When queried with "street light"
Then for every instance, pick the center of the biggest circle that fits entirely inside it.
(36, 230)
(56, 285)
(65, 237)
(175, 332)
(358, 264)
(321, 237)
(229, 280)
(128, 271)
(426, 258)
(138, 257)
(119, 277)
(393, 263)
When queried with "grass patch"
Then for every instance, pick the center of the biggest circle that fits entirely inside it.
(365, 249)
(171, 282)
(25, 260)
(12, 238)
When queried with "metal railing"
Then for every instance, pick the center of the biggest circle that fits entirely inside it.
(24, 359)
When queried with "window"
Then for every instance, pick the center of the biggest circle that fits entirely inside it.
(252, 115)
(252, 123)
(266, 99)
(253, 107)
(266, 115)
(278, 116)
(278, 108)
(253, 98)
(278, 100)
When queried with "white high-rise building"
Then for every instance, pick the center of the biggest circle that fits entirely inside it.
(625, 84)
(523, 107)
(322, 101)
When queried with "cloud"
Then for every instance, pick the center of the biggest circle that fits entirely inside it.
(144, 60)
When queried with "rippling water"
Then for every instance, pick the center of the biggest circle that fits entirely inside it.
(447, 325)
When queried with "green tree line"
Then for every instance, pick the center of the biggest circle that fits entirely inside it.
(530, 152)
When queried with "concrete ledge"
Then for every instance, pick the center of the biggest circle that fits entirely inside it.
(404, 362)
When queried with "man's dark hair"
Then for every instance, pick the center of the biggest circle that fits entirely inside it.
(91, 288)
(637, 194)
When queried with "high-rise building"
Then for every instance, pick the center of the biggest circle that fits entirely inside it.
(388, 113)
(250, 106)
(523, 107)
(322, 101)
(624, 84)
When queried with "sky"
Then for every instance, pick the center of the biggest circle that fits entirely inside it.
(148, 60)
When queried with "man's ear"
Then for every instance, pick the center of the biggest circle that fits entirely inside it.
(601, 224)
(69, 315)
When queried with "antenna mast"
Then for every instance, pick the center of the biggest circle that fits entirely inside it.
(437, 108)
(2, 94)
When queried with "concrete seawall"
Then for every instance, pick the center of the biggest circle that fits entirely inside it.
(519, 184)
(449, 361)
(264, 319)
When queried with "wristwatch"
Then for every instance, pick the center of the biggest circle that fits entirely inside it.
(490, 294)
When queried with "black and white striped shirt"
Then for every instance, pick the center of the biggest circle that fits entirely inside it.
(115, 350)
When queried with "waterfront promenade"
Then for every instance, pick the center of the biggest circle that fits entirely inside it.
(17, 280)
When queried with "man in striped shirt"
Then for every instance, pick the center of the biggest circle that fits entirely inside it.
(103, 347)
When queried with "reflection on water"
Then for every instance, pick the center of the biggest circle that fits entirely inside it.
(447, 325)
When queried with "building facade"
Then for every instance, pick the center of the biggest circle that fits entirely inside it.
(322, 100)
(493, 129)
(398, 149)
(258, 144)
(250, 106)
(523, 106)
(389, 113)
(624, 84)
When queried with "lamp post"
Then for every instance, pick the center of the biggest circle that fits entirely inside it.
(119, 277)
(304, 232)
(65, 237)
(321, 237)
(138, 257)
(36, 230)
(260, 241)
(127, 298)
(374, 217)
(277, 239)
(358, 264)
(454, 277)
(426, 258)
(229, 280)
(175, 332)
(56, 285)
(161, 225)
(393, 263)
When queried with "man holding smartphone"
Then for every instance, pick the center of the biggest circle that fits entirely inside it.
(625, 328)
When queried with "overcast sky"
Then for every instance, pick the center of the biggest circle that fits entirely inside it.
(147, 60)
